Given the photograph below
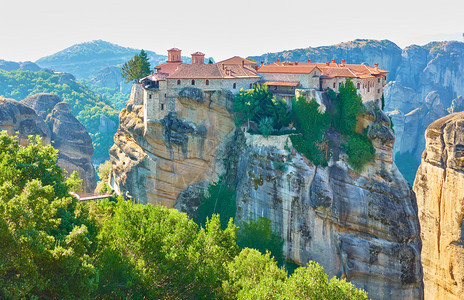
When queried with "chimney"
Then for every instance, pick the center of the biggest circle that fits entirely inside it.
(343, 62)
(333, 61)
(327, 64)
(256, 68)
(309, 60)
(262, 63)
(376, 65)
(278, 60)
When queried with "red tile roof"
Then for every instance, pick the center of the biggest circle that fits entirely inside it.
(168, 68)
(213, 71)
(198, 53)
(328, 70)
(237, 60)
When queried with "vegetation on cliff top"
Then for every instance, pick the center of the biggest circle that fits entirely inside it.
(56, 247)
(136, 68)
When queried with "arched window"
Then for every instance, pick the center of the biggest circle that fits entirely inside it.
(193, 81)
(251, 85)
(235, 85)
(149, 96)
(178, 82)
(207, 82)
(359, 86)
(339, 85)
(334, 85)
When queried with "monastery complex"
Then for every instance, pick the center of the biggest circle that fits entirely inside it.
(159, 90)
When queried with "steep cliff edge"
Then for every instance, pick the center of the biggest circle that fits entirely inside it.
(439, 186)
(359, 226)
(186, 147)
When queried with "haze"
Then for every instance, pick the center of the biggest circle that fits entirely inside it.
(33, 29)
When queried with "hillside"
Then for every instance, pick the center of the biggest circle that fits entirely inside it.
(85, 60)
(96, 114)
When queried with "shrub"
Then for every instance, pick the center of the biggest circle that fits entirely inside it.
(359, 150)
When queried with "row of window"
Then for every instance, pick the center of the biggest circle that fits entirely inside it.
(207, 83)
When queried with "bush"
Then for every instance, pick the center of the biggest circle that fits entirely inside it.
(266, 126)
(312, 124)
(359, 150)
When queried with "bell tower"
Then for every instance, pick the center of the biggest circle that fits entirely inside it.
(174, 56)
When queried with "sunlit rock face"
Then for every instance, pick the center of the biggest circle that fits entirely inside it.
(439, 186)
(185, 147)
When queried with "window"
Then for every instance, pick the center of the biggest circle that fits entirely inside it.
(251, 85)
(358, 85)
(149, 96)
(178, 82)
(162, 106)
(334, 85)
(378, 91)
(193, 81)
(378, 80)
(339, 85)
(235, 85)
(207, 82)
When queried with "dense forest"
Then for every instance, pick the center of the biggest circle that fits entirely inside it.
(86, 104)
(56, 247)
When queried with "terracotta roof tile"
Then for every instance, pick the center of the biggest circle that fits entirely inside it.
(237, 60)
(213, 71)
(168, 68)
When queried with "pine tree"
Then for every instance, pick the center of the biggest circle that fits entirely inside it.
(136, 68)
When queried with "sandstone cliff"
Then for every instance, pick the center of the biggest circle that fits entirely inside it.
(439, 186)
(68, 136)
(359, 226)
(185, 147)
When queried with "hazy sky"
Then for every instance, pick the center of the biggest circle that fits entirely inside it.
(33, 29)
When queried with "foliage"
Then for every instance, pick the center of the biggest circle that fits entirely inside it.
(259, 103)
(312, 125)
(85, 104)
(266, 126)
(157, 253)
(258, 234)
(350, 106)
(45, 243)
(219, 199)
(359, 150)
(104, 170)
(55, 247)
(112, 96)
(408, 165)
(136, 68)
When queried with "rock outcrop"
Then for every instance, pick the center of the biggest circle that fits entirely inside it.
(21, 120)
(67, 135)
(155, 164)
(72, 140)
(359, 226)
(439, 186)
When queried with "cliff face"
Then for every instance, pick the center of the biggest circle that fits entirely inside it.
(68, 135)
(359, 226)
(182, 149)
(439, 186)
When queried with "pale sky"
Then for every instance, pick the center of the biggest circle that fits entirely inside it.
(33, 29)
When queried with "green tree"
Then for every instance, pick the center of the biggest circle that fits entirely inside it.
(350, 107)
(258, 234)
(136, 68)
(259, 103)
(219, 199)
(45, 243)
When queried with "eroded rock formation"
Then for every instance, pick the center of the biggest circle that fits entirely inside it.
(439, 186)
(181, 149)
(359, 226)
(68, 136)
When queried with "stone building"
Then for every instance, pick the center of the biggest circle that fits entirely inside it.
(158, 91)
(286, 78)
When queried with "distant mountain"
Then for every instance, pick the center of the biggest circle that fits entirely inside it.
(12, 65)
(85, 60)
